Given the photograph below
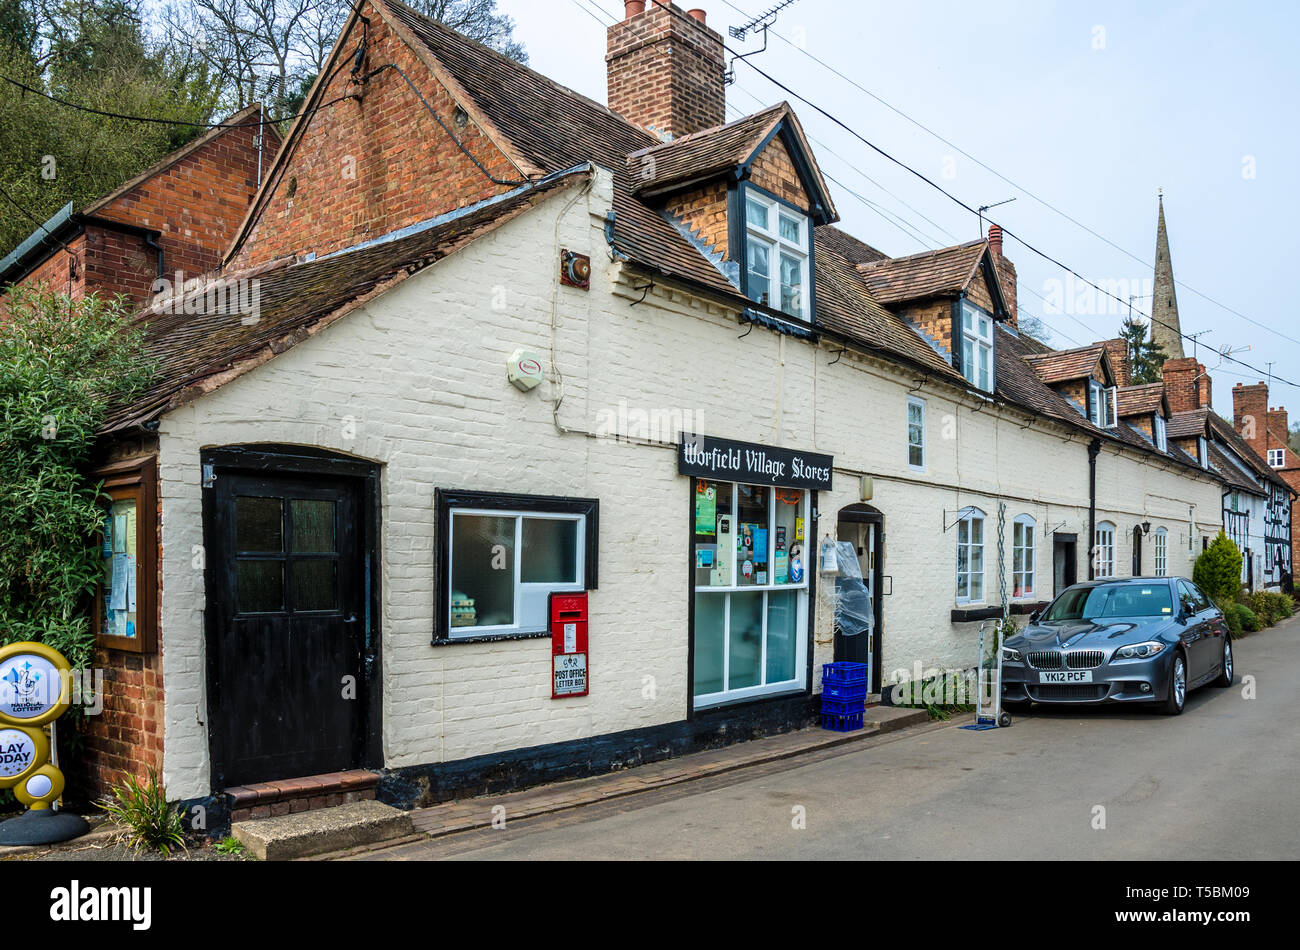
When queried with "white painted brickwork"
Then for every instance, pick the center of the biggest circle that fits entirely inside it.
(421, 371)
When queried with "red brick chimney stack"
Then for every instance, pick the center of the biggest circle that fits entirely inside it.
(1117, 349)
(665, 70)
(1250, 414)
(1187, 385)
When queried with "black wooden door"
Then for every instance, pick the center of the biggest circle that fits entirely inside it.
(287, 684)
(1137, 552)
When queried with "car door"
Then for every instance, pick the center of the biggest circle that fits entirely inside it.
(1213, 631)
(1193, 629)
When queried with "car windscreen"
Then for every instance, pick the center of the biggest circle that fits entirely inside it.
(1112, 600)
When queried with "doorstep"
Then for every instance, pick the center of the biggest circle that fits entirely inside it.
(307, 793)
(321, 830)
(452, 817)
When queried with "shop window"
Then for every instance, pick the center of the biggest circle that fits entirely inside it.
(1022, 557)
(1162, 552)
(503, 555)
(751, 590)
(126, 599)
(776, 254)
(1104, 550)
(977, 347)
(970, 557)
(916, 434)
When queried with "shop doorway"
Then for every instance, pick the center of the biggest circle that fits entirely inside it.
(864, 527)
(1137, 551)
(292, 638)
(1065, 561)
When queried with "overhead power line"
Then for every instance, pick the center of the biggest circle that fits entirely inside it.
(993, 171)
(949, 195)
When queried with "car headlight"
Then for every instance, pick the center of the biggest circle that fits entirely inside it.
(1009, 654)
(1140, 651)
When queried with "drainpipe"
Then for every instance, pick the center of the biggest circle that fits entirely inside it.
(1094, 449)
(151, 239)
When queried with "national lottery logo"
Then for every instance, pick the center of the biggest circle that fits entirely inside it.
(28, 687)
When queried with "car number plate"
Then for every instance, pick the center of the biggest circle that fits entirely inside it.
(1066, 676)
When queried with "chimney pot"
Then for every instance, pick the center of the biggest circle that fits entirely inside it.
(696, 14)
(995, 239)
(633, 8)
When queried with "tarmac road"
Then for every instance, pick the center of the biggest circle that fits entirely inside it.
(1222, 781)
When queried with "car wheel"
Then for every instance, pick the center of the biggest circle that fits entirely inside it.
(1225, 676)
(1176, 698)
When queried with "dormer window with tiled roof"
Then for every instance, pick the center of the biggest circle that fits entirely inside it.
(1162, 436)
(1101, 404)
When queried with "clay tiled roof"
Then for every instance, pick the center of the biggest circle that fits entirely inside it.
(703, 154)
(195, 353)
(1143, 400)
(948, 270)
(1059, 366)
(1188, 425)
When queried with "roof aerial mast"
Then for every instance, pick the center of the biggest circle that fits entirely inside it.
(762, 21)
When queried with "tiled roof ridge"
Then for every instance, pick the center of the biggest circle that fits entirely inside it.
(782, 107)
(919, 255)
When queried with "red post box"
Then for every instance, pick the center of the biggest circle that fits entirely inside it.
(569, 673)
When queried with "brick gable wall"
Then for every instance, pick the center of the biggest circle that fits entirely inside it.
(362, 169)
(704, 211)
(774, 171)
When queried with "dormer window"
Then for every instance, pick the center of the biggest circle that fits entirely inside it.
(1162, 437)
(976, 346)
(776, 254)
(1101, 404)
(1203, 452)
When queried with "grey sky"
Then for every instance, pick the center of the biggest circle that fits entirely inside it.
(1091, 107)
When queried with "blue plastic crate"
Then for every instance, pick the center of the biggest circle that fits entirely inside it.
(856, 691)
(847, 723)
(842, 707)
(844, 673)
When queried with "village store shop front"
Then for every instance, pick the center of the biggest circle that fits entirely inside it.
(753, 512)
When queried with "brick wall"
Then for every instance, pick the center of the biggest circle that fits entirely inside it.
(1117, 349)
(60, 272)
(365, 168)
(704, 211)
(934, 319)
(774, 170)
(1187, 385)
(118, 263)
(665, 72)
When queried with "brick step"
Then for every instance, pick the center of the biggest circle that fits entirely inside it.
(307, 793)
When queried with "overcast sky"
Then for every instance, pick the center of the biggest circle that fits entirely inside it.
(1091, 107)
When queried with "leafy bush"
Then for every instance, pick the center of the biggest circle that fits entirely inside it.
(62, 362)
(151, 823)
(1218, 570)
(1268, 607)
(1246, 617)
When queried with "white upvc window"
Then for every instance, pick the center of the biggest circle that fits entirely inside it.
(1162, 552)
(1277, 457)
(503, 563)
(1102, 404)
(976, 346)
(776, 255)
(1022, 556)
(1203, 452)
(916, 434)
(750, 614)
(970, 557)
(1104, 550)
(1162, 436)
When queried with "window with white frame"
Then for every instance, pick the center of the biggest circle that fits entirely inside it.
(916, 434)
(503, 555)
(1022, 556)
(1162, 435)
(1101, 404)
(1203, 452)
(970, 557)
(776, 254)
(976, 346)
(750, 621)
(1162, 552)
(1277, 457)
(1104, 550)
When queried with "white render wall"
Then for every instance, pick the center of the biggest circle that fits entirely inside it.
(420, 372)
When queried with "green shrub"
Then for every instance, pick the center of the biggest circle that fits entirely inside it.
(1233, 619)
(1246, 617)
(1218, 570)
(1269, 607)
(151, 823)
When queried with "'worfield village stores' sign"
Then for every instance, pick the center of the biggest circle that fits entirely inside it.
(724, 460)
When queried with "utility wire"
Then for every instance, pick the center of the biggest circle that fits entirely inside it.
(993, 171)
(951, 197)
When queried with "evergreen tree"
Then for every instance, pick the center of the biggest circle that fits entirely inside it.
(1146, 356)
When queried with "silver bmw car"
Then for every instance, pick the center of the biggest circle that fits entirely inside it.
(1130, 640)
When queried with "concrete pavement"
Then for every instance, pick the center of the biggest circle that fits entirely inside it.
(1108, 783)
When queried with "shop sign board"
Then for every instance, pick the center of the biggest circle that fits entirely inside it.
(726, 460)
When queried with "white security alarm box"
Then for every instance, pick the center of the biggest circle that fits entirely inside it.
(524, 370)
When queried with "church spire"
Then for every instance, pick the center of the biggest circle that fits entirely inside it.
(1165, 328)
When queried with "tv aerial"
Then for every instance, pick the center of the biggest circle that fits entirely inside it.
(760, 22)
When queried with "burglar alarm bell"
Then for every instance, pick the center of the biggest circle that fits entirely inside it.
(524, 370)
